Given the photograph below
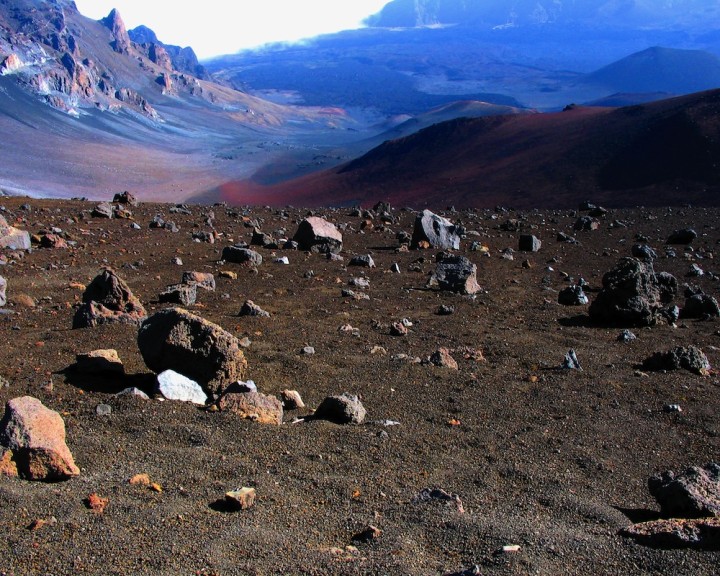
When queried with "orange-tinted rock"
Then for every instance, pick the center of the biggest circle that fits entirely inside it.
(35, 435)
(253, 406)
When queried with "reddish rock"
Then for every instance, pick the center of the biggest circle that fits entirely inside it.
(52, 241)
(253, 406)
(318, 235)
(442, 358)
(107, 300)
(35, 438)
(204, 280)
(703, 533)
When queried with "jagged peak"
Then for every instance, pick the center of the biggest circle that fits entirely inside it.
(114, 22)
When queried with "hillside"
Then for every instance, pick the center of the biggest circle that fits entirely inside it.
(663, 153)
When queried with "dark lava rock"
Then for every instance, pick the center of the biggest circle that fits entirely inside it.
(437, 231)
(700, 306)
(126, 198)
(108, 300)
(318, 235)
(586, 223)
(668, 285)
(686, 357)
(343, 409)
(631, 295)
(239, 255)
(249, 308)
(643, 251)
(693, 494)
(177, 340)
(456, 274)
(685, 236)
(529, 243)
(626, 336)
(572, 296)
(562, 237)
(364, 260)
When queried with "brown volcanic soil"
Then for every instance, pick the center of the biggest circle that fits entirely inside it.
(556, 463)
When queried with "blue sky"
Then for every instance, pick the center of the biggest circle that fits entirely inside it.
(215, 27)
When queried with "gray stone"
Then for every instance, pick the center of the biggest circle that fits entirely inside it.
(668, 285)
(175, 386)
(183, 294)
(684, 236)
(456, 274)
(99, 361)
(529, 243)
(571, 361)
(103, 210)
(343, 409)
(318, 235)
(103, 410)
(690, 358)
(364, 260)
(562, 237)
(631, 295)
(700, 306)
(249, 308)
(108, 300)
(177, 340)
(238, 255)
(437, 231)
(3, 291)
(694, 493)
(643, 251)
(626, 336)
(572, 296)
(586, 223)
(133, 393)
(13, 238)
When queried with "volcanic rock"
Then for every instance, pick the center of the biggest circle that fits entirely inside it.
(437, 231)
(700, 306)
(291, 399)
(103, 210)
(631, 295)
(693, 494)
(114, 22)
(184, 294)
(318, 235)
(108, 300)
(586, 223)
(3, 291)
(13, 238)
(685, 236)
(688, 357)
(572, 296)
(192, 346)
(364, 260)
(241, 499)
(668, 285)
(34, 437)
(204, 280)
(249, 308)
(239, 255)
(99, 361)
(343, 409)
(441, 357)
(529, 243)
(125, 198)
(643, 251)
(174, 386)
(456, 274)
(253, 406)
(702, 533)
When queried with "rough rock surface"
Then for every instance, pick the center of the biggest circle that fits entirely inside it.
(695, 493)
(572, 296)
(683, 236)
(680, 357)
(318, 235)
(456, 274)
(249, 308)
(630, 296)
(343, 409)
(108, 300)
(183, 294)
(529, 243)
(204, 280)
(702, 533)
(240, 255)
(35, 437)
(253, 406)
(441, 357)
(700, 306)
(437, 231)
(13, 238)
(99, 361)
(177, 340)
(3, 291)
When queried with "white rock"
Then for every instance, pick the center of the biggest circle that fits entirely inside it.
(174, 386)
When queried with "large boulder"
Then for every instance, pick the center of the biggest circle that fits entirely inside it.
(689, 358)
(456, 274)
(32, 442)
(318, 235)
(437, 231)
(13, 238)
(701, 306)
(108, 300)
(175, 339)
(693, 494)
(631, 295)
